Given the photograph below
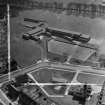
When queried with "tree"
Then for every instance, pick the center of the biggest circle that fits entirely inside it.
(21, 79)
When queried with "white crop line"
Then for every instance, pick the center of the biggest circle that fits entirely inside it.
(36, 83)
(36, 70)
(4, 98)
(65, 83)
(2, 102)
(57, 96)
(57, 84)
(8, 36)
(71, 70)
(62, 69)
(82, 72)
(72, 82)
(41, 86)
(56, 69)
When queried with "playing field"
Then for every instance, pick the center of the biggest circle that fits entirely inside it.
(46, 75)
(55, 81)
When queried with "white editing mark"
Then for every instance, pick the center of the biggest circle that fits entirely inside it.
(52, 84)
(37, 84)
(8, 36)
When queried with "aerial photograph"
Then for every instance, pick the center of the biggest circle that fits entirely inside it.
(52, 52)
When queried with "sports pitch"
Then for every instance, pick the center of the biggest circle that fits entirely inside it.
(55, 81)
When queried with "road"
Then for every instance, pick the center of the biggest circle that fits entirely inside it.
(51, 65)
(4, 78)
